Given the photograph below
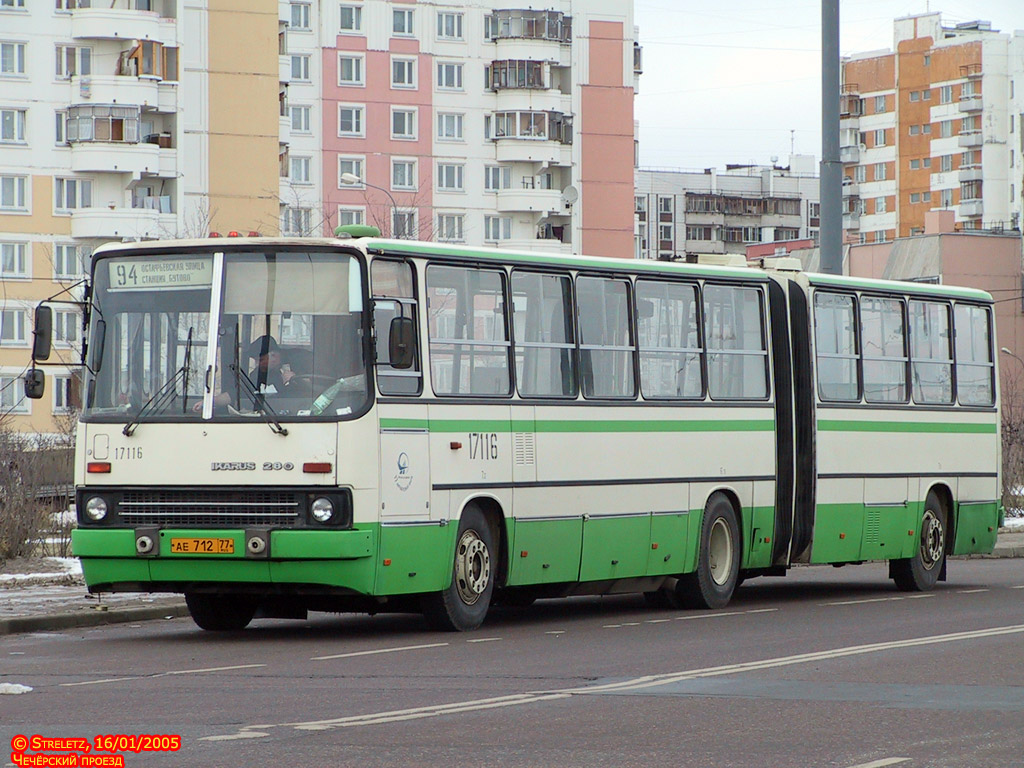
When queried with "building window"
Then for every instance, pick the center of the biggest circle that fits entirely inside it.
(880, 171)
(300, 119)
(65, 327)
(915, 95)
(350, 70)
(449, 126)
(946, 198)
(12, 58)
(12, 260)
(946, 94)
(72, 60)
(13, 4)
(296, 222)
(926, 197)
(12, 395)
(449, 76)
(926, 162)
(450, 177)
(65, 393)
(449, 26)
(68, 262)
(695, 232)
(299, 15)
(12, 126)
(497, 177)
(880, 137)
(300, 68)
(72, 194)
(299, 170)
(926, 95)
(102, 122)
(403, 224)
(946, 129)
(350, 120)
(403, 174)
(353, 165)
(915, 164)
(12, 326)
(351, 18)
(403, 123)
(403, 73)
(860, 173)
(946, 163)
(915, 197)
(12, 192)
(879, 103)
(347, 216)
(449, 227)
(401, 22)
(915, 130)
(879, 205)
(497, 228)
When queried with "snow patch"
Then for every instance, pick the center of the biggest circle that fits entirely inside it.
(68, 566)
(13, 688)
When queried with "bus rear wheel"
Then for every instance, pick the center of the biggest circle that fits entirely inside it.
(718, 561)
(921, 572)
(463, 605)
(220, 613)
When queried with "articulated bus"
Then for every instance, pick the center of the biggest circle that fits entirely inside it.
(274, 426)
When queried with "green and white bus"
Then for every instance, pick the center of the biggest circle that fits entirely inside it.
(273, 426)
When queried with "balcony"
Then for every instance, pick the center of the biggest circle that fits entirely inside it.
(851, 189)
(970, 139)
(970, 71)
(970, 173)
(113, 223)
(118, 24)
(115, 157)
(284, 69)
(143, 90)
(524, 100)
(850, 154)
(514, 149)
(524, 24)
(970, 103)
(971, 208)
(537, 200)
(851, 220)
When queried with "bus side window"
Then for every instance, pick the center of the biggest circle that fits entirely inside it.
(394, 295)
(835, 346)
(543, 334)
(737, 351)
(884, 345)
(974, 366)
(606, 337)
(931, 352)
(670, 350)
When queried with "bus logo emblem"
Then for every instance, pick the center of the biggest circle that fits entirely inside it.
(403, 479)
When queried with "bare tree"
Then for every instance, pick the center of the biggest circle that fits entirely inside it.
(1013, 443)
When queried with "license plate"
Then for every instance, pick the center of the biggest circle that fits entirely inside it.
(209, 546)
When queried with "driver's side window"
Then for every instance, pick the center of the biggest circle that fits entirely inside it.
(394, 295)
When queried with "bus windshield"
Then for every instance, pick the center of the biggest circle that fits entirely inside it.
(288, 329)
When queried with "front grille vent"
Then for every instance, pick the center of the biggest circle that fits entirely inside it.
(210, 508)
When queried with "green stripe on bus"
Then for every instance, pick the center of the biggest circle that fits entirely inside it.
(830, 425)
(591, 425)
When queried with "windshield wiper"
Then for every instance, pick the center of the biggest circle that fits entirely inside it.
(259, 402)
(165, 394)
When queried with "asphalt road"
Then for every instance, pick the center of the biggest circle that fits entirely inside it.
(827, 667)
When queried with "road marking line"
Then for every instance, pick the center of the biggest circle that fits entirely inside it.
(234, 736)
(1020, 587)
(555, 632)
(878, 600)
(881, 763)
(210, 669)
(658, 621)
(483, 640)
(378, 650)
(97, 682)
(611, 626)
(631, 623)
(971, 591)
(635, 684)
(720, 615)
(763, 610)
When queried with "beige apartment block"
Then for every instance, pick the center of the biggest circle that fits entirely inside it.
(933, 124)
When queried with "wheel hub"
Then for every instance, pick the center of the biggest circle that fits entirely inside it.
(720, 552)
(933, 540)
(472, 567)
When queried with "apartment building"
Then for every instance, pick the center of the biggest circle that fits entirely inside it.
(468, 123)
(686, 213)
(123, 120)
(933, 125)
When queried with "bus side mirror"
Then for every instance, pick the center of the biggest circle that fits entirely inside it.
(35, 384)
(95, 361)
(42, 333)
(402, 342)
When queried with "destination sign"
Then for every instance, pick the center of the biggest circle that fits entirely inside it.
(160, 274)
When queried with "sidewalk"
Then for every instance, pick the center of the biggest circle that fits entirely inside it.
(60, 601)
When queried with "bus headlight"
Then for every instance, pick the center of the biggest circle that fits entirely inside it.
(322, 510)
(96, 508)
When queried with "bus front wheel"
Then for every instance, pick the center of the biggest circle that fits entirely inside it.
(463, 605)
(220, 613)
(920, 572)
(718, 560)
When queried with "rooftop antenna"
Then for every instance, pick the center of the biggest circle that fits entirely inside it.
(792, 141)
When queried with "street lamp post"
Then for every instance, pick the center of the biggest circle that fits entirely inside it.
(351, 178)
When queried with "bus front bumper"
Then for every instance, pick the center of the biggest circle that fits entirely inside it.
(112, 561)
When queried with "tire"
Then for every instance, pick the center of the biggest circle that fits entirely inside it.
(921, 572)
(718, 559)
(463, 605)
(220, 613)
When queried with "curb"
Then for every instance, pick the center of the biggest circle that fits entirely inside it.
(59, 621)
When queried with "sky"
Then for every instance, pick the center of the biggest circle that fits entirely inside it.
(740, 81)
